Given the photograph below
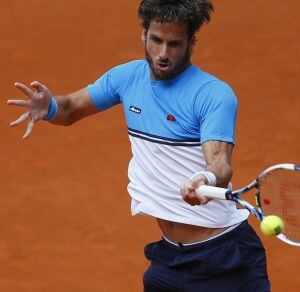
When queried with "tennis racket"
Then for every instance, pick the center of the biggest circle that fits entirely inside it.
(277, 193)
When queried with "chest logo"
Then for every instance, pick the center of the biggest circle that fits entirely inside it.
(171, 118)
(135, 109)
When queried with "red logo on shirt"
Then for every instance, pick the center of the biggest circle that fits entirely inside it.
(171, 118)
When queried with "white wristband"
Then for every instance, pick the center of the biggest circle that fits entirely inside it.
(211, 178)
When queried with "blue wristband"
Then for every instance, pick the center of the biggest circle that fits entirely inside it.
(52, 111)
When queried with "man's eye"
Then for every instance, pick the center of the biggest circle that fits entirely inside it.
(157, 41)
(175, 44)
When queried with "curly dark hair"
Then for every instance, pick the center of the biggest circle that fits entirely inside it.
(194, 12)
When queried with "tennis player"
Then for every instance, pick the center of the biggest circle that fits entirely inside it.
(181, 124)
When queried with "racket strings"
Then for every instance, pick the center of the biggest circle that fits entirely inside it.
(280, 195)
(289, 204)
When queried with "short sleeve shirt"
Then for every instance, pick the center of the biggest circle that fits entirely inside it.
(167, 122)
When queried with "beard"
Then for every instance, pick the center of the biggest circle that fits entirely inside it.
(177, 69)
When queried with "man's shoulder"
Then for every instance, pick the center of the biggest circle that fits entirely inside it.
(209, 82)
(203, 78)
(129, 67)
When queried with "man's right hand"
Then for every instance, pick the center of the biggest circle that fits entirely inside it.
(37, 105)
(189, 190)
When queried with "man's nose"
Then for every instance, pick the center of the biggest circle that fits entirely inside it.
(163, 53)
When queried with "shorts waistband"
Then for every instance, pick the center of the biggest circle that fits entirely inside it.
(220, 238)
(229, 229)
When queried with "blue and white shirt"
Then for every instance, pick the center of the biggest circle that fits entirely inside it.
(167, 123)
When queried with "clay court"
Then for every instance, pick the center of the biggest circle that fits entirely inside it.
(65, 213)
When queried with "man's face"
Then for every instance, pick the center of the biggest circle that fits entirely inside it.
(168, 49)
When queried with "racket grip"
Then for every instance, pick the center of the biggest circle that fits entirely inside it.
(213, 192)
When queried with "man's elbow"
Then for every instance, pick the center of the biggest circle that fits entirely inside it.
(227, 174)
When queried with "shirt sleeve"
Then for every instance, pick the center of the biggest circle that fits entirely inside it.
(104, 92)
(216, 108)
(109, 89)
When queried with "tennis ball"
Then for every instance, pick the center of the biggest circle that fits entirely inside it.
(272, 225)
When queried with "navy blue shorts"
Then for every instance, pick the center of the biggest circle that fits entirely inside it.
(232, 262)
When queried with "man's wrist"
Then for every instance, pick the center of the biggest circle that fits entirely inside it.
(210, 177)
(52, 110)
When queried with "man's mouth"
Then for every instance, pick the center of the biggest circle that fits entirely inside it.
(163, 67)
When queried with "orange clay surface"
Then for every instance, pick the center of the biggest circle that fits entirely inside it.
(65, 222)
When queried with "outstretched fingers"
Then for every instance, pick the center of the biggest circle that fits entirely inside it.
(29, 129)
(19, 102)
(24, 89)
(20, 120)
(39, 87)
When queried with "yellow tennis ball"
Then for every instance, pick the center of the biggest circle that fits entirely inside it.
(272, 225)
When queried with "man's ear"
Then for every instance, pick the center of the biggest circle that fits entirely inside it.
(193, 41)
(144, 36)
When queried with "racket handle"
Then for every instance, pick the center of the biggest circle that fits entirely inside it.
(213, 192)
